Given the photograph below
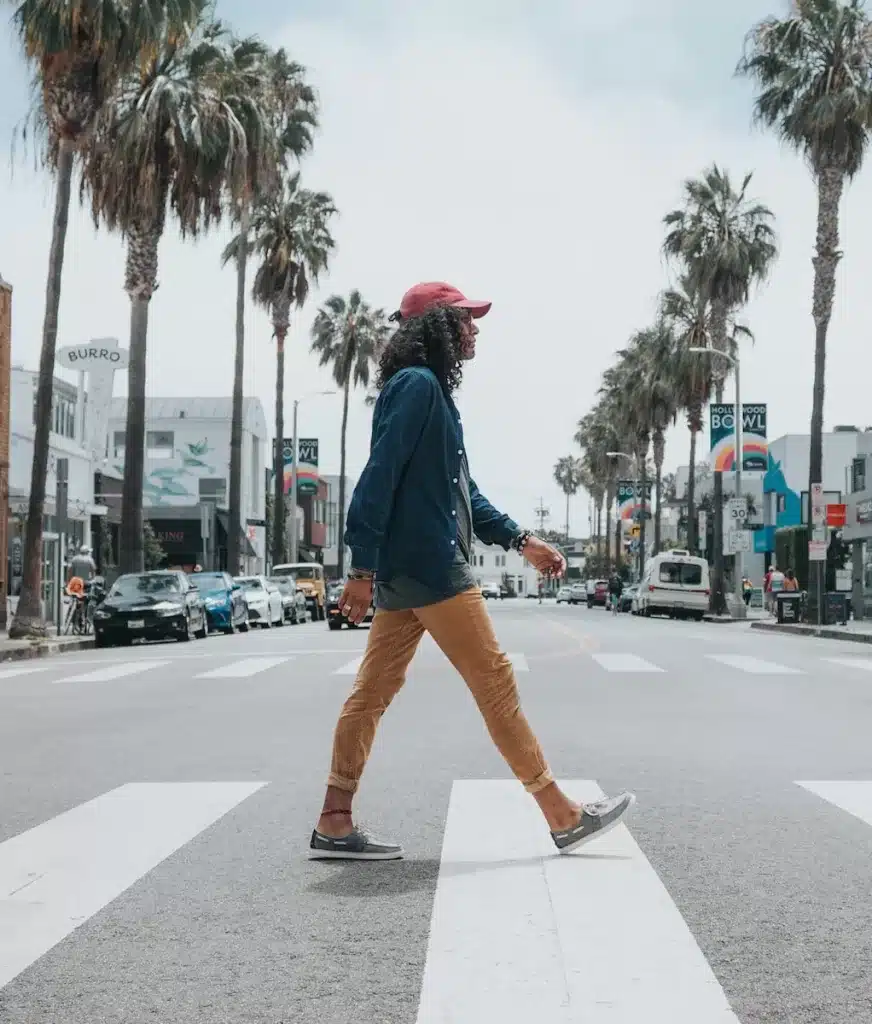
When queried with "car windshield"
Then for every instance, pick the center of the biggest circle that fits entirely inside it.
(683, 573)
(250, 584)
(145, 586)
(210, 582)
(284, 583)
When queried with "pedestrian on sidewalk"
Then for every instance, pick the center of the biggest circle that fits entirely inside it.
(410, 528)
(791, 583)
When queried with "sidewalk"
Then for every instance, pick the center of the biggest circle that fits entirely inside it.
(856, 632)
(19, 650)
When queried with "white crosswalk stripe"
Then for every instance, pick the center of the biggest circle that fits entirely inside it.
(518, 660)
(114, 671)
(23, 669)
(624, 663)
(242, 669)
(853, 797)
(512, 940)
(754, 666)
(56, 876)
(865, 664)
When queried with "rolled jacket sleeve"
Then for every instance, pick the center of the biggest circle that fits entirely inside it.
(398, 421)
(489, 525)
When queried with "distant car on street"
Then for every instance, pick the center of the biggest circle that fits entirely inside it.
(264, 600)
(161, 605)
(293, 599)
(226, 610)
(598, 594)
(628, 596)
(491, 591)
(564, 595)
(577, 593)
(335, 618)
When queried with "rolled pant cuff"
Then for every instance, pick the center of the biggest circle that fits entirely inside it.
(337, 782)
(542, 782)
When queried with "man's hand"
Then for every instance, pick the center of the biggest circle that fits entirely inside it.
(356, 599)
(544, 558)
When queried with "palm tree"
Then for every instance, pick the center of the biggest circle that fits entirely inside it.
(348, 334)
(290, 232)
(726, 243)
(279, 86)
(814, 72)
(596, 436)
(653, 393)
(170, 142)
(569, 473)
(78, 50)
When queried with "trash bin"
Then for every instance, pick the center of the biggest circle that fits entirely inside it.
(787, 606)
(836, 608)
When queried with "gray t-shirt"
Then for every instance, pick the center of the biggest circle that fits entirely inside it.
(405, 592)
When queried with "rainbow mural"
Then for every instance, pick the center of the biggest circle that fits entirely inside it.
(629, 500)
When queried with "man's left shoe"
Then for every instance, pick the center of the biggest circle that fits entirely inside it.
(596, 819)
(357, 845)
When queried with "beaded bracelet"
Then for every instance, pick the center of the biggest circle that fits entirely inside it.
(360, 574)
(520, 542)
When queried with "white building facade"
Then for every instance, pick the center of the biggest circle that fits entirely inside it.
(187, 466)
(493, 565)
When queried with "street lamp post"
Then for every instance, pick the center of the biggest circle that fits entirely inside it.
(738, 458)
(294, 455)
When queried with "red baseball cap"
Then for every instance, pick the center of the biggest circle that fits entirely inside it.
(422, 297)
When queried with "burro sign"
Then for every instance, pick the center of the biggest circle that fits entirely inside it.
(101, 354)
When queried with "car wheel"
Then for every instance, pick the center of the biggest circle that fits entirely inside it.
(203, 631)
(243, 626)
(267, 622)
(186, 635)
(101, 641)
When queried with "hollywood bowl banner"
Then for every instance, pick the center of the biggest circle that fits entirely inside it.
(630, 500)
(755, 448)
(307, 465)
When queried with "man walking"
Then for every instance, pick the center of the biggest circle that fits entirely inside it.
(411, 524)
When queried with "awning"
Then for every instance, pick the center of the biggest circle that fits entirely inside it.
(247, 549)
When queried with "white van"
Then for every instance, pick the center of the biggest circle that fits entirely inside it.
(674, 583)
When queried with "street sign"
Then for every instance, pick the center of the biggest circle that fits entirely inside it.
(207, 512)
(837, 515)
(818, 544)
(736, 541)
(737, 512)
(255, 522)
(818, 505)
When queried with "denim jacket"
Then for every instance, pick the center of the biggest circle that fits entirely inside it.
(402, 517)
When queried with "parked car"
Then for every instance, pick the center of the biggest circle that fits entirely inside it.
(163, 605)
(490, 591)
(310, 578)
(598, 594)
(226, 610)
(564, 595)
(293, 599)
(264, 601)
(335, 618)
(628, 596)
(577, 593)
(675, 583)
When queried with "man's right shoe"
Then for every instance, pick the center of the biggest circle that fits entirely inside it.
(357, 845)
(596, 819)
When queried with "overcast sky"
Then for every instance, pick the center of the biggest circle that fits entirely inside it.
(527, 158)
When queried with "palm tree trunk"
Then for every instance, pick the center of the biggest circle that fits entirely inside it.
(140, 283)
(280, 515)
(718, 602)
(567, 516)
(28, 617)
(719, 342)
(692, 539)
(830, 186)
(599, 529)
(234, 561)
(659, 454)
(340, 519)
(643, 480)
(610, 497)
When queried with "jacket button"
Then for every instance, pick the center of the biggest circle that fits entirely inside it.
(454, 480)
(452, 543)
(454, 513)
(460, 451)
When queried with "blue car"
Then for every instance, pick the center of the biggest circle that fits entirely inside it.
(226, 610)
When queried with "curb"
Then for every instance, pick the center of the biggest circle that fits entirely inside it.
(821, 632)
(721, 619)
(45, 649)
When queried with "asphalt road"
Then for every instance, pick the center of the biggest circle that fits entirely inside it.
(126, 896)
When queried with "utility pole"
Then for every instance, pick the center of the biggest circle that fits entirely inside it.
(5, 384)
(542, 513)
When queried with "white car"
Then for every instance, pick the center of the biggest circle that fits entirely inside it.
(675, 583)
(490, 590)
(264, 601)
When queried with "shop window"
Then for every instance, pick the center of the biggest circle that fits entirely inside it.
(213, 489)
(118, 444)
(858, 475)
(159, 444)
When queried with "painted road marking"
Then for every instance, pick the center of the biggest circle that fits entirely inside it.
(56, 876)
(114, 671)
(754, 666)
(862, 663)
(241, 669)
(624, 663)
(350, 668)
(22, 670)
(853, 797)
(520, 934)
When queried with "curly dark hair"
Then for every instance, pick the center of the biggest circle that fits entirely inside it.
(432, 339)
